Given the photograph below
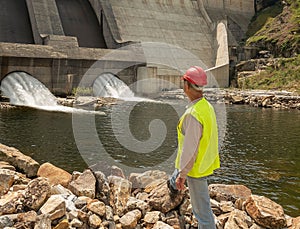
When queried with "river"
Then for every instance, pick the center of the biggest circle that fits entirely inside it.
(260, 149)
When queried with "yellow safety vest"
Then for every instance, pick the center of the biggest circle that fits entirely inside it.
(207, 159)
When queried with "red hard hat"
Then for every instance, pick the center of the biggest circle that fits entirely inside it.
(196, 75)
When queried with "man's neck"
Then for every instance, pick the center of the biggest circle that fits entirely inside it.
(195, 97)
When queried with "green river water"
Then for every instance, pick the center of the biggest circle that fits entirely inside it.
(261, 147)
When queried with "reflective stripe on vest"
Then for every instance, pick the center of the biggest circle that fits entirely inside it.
(207, 159)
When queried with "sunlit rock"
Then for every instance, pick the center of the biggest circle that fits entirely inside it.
(172, 219)
(152, 217)
(119, 194)
(64, 224)
(109, 213)
(160, 199)
(221, 220)
(84, 184)
(116, 171)
(226, 206)
(265, 212)
(6, 165)
(162, 225)
(7, 220)
(19, 160)
(6, 180)
(36, 193)
(55, 207)
(255, 226)
(94, 221)
(54, 174)
(130, 219)
(228, 192)
(76, 223)
(186, 207)
(59, 189)
(26, 220)
(11, 202)
(141, 180)
(102, 187)
(82, 201)
(134, 203)
(149, 187)
(96, 207)
(295, 223)
(43, 221)
(215, 206)
(238, 219)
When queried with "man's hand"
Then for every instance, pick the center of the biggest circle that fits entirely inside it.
(180, 182)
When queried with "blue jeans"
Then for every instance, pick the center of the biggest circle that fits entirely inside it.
(200, 200)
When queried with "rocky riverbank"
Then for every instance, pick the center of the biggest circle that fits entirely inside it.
(256, 98)
(45, 196)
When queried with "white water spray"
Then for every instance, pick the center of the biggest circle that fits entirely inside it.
(108, 85)
(24, 90)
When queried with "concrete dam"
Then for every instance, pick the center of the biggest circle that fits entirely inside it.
(68, 43)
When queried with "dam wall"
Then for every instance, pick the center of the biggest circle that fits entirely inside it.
(58, 41)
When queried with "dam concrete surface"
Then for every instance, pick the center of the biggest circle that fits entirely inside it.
(60, 42)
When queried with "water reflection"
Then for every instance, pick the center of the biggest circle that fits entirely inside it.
(260, 150)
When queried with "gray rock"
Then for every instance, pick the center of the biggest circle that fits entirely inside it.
(238, 219)
(265, 212)
(152, 217)
(119, 194)
(97, 207)
(12, 202)
(162, 225)
(6, 180)
(84, 184)
(141, 180)
(130, 219)
(228, 192)
(134, 203)
(160, 199)
(19, 160)
(55, 207)
(36, 193)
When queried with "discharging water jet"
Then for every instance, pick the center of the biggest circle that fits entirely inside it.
(109, 85)
(24, 90)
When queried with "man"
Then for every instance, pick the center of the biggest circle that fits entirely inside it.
(197, 155)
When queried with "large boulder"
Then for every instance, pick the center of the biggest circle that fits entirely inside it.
(141, 180)
(223, 192)
(120, 190)
(265, 212)
(36, 193)
(161, 200)
(238, 219)
(130, 219)
(20, 161)
(54, 174)
(55, 207)
(295, 223)
(83, 184)
(11, 202)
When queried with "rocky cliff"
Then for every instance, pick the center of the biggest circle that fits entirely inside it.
(275, 33)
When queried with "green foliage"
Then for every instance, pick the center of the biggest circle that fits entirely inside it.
(262, 17)
(278, 28)
(284, 76)
(82, 91)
